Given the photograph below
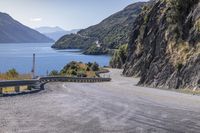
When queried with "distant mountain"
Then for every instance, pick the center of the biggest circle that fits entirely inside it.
(55, 32)
(47, 29)
(104, 37)
(14, 32)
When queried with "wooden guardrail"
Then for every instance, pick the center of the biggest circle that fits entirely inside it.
(37, 84)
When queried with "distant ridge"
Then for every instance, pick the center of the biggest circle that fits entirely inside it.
(55, 32)
(13, 31)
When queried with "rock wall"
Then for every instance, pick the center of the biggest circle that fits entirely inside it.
(164, 47)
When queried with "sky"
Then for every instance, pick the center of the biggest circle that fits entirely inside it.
(68, 14)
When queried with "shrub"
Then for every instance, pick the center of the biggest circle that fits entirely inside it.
(12, 73)
(74, 73)
(95, 66)
(119, 57)
(54, 73)
(80, 69)
(179, 66)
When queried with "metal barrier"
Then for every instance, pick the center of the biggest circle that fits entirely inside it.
(18, 82)
(36, 84)
(73, 79)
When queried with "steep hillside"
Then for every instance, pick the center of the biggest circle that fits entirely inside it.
(164, 47)
(105, 36)
(14, 32)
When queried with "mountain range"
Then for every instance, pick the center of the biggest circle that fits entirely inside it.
(13, 31)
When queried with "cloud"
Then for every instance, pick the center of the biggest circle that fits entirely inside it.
(36, 19)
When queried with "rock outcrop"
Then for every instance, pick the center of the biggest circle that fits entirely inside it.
(164, 47)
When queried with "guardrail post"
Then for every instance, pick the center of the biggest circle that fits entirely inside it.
(17, 89)
(29, 88)
(1, 91)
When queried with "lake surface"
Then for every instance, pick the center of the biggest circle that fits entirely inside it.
(19, 56)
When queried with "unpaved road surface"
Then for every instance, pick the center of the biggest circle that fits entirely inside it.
(113, 107)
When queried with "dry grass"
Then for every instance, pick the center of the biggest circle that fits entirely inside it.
(189, 91)
(90, 74)
(4, 76)
(197, 25)
(181, 53)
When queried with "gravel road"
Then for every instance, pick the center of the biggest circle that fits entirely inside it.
(113, 107)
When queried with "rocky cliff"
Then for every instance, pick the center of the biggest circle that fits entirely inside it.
(105, 36)
(14, 32)
(164, 47)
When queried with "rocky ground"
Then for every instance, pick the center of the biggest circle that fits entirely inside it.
(118, 106)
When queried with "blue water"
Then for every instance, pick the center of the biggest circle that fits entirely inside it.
(19, 56)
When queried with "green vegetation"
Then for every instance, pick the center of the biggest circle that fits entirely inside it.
(111, 33)
(94, 50)
(94, 67)
(78, 69)
(119, 57)
(74, 41)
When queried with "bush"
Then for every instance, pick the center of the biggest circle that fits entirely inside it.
(179, 66)
(95, 67)
(54, 73)
(119, 57)
(89, 64)
(74, 73)
(80, 69)
(12, 73)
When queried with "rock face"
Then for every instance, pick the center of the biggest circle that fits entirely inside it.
(110, 33)
(14, 32)
(164, 47)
